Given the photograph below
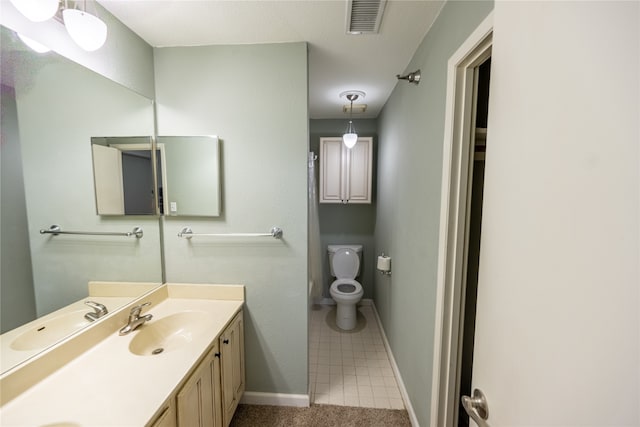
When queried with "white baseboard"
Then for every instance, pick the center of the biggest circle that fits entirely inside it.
(396, 371)
(275, 399)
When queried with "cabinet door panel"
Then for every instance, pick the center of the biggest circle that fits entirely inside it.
(195, 400)
(167, 418)
(331, 171)
(232, 367)
(359, 180)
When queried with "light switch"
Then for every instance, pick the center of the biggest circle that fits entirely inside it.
(173, 207)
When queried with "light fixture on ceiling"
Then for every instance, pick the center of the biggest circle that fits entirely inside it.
(350, 137)
(87, 30)
(36, 10)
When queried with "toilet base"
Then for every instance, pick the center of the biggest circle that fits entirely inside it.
(346, 316)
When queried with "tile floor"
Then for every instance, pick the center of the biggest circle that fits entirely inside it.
(350, 368)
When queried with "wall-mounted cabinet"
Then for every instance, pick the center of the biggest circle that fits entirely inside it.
(345, 174)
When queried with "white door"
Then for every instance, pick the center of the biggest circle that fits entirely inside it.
(107, 174)
(558, 325)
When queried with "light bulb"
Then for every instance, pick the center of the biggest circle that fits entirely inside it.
(36, 46)
(88, 31)
(36, 10)
(350, 139)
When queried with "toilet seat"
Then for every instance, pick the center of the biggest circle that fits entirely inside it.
(346, 287)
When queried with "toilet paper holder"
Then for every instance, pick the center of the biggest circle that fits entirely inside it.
(384, 264)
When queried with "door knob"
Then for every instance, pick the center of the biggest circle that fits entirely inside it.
(476, 407)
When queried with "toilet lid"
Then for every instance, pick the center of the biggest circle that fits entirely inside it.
(346, 263)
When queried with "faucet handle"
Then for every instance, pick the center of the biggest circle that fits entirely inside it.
(135, 311)
(99, 308)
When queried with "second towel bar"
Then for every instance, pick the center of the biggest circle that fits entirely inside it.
(55, 230)
(187, 233)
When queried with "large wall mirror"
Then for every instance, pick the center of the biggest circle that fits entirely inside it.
(51, 108)
(186, 176)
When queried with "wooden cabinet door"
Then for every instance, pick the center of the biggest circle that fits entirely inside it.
(345, 174)
(232, 367)
(167, 417)
(332, 175)
(358, 171)
(196, 400)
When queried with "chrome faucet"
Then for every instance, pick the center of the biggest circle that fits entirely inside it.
(135, 320)
(100, 310)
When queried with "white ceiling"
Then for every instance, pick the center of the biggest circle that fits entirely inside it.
(337, 61)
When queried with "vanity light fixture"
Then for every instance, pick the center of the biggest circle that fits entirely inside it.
(350, 136)
(87, 30)
(36, 10)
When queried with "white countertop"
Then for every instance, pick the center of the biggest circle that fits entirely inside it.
(110, 386)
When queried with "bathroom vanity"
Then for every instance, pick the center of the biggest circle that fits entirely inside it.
(183, 367)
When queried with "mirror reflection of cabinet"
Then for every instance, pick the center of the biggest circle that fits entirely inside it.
(187, 175)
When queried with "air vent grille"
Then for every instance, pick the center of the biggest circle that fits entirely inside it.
(364, 16)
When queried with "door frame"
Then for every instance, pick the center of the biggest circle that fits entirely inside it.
(454, 206)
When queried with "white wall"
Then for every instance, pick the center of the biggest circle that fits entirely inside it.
(560, 251)
(254, 97)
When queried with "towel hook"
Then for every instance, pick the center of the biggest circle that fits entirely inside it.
(411, 77)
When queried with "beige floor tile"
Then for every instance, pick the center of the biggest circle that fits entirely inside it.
(350, 368)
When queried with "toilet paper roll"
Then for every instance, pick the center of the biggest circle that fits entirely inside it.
(384, 263)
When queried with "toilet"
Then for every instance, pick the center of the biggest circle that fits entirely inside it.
(346, 291)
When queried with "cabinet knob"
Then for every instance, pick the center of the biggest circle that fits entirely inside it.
(225, 341)
(217, 355)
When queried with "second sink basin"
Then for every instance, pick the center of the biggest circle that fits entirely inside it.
(51, 331)
(167, 333)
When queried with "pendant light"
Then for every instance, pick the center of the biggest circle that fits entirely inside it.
(350, 137)
(87, 30)
(36, 10)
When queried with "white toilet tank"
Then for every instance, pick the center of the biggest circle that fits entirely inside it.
(331, 249)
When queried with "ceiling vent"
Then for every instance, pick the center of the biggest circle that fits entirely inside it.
(364, 16)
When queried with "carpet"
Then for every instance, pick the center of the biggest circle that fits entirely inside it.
(318, 415)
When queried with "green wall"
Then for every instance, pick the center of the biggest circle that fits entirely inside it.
(411, 134)
(347, 224)
(254, 98)
(60, 106)
(16, 283)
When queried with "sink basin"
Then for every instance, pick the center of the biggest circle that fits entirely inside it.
(168, 333)
(50, 331)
